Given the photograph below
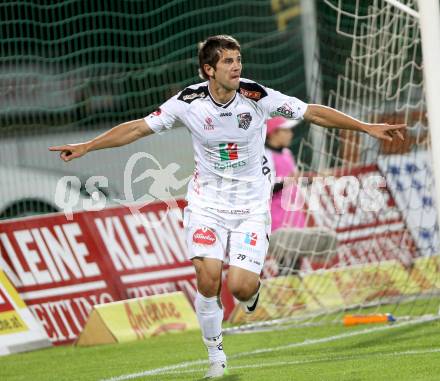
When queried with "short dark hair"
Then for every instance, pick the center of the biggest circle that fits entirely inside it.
(209, 50)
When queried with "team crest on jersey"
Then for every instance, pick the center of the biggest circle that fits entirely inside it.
(244, 120)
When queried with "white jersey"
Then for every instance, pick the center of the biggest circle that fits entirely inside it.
(231, 177)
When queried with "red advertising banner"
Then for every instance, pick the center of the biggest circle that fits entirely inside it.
(147, 255)
(61, 268)
(363, 235)
(56, 267)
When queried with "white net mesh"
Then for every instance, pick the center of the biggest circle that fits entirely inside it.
(370, 237)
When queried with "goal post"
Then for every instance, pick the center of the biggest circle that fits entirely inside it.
(429, 13)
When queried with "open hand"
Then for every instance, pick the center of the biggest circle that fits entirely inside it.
(69, 152)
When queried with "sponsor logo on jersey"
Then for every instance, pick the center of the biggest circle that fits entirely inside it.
(251, 239)
(250, 94)
(204, 236)
(222, 114)
(239, 212)
(244, 120)
(228, 151)
(209, 125)
(226, 165)
(285, 110)
(157, 112)
(193, 96)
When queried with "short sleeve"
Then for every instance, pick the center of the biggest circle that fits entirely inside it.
(279, 104)
(165, 117)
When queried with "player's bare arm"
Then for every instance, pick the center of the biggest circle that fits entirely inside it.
(330, 118)
(122, 134)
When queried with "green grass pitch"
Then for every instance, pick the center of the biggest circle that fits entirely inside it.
(403, 352)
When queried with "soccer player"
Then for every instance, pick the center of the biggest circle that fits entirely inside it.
(229, 194)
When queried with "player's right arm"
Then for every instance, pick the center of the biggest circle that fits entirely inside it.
(120, 135)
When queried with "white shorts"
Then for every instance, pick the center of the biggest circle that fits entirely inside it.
(245, 241)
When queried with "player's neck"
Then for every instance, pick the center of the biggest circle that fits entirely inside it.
(219, 93)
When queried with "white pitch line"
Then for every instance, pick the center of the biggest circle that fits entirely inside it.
(304, 343)
(313, 360)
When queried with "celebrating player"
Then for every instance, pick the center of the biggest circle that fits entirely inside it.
(229, 194)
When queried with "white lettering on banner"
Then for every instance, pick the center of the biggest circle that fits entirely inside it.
(164, 237)
(45, 257)
(189, 287)
(61, 319)
(164, 253)
(117, 254)
(156, 246)
(61, 252)
(50, 292)
(174, 228)
(134, 224)
(176, 220)
(111, 231)
(5, 267)
(151, 289)
(169, 236)
(24, 238)
(45, 253)
(25, 277)
(85, 304)
(135, 259)
(72, 231)
(49, 326)
(175, 272)
(84, 307)
(151, 247)
(56, 309)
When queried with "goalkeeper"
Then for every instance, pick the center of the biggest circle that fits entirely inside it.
(229, 194)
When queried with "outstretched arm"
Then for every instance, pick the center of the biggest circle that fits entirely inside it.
(331, 118)
(120, 135)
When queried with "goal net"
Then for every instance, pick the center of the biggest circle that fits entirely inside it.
(70, 70)
(370, 242)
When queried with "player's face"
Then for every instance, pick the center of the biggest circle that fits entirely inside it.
(228, 69)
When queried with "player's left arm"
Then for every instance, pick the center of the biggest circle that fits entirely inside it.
(330, 118)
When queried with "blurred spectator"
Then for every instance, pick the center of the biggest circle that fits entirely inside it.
(278, 138)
